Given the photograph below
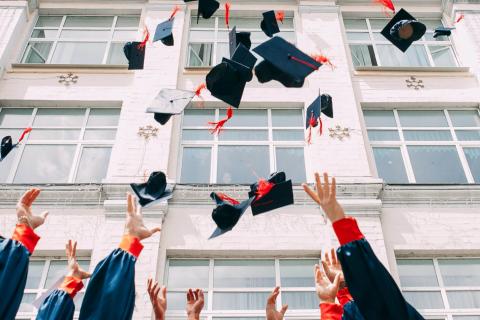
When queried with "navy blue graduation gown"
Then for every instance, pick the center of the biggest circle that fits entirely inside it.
(57, 306)
(373, 289)
(14, 258)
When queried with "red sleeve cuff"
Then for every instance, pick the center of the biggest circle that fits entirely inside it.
(347, 230)
(71, 285)
(331, 311)
(26, 236)
(344, 296)
(131, 244)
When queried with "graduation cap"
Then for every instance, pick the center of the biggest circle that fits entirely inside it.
(155, 189)
(206, 8)
(269, 23)
(268, 195)
(135, 53)
(169, 102)
(227, 213)
(235, 38)
(7, 144)
(443, 32)
(403, 30)
(164, 33)
(323, 104)
(284, 63)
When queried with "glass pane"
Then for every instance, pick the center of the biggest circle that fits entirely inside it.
(59, 118)
(442, 56)
(464, 299)
(196, 165)
(177, 300)
(223, 50)
(432, 24)
(238, 318)
(242, 164)
(246, 118)
(126, 35)
(390, 165)
(240, 301)
(297, 273)
(287, 118)
(436, 164)
(88, 22)
(460, 272)
(45, 163)
(288, 135)
(192, 135)
(378, 118)
(26, 304)
(300, 300)
(358, 36)
(379, 37)
(200, 54)
(363, 55)
(48, 21)
(44, 33)
(35, 269)
(378, 24)
(383, 135)
(244, 274)
(14, 133)
(466, 317)
(390, 56)
(116, 55)
(427, 135)
(6, 164)
(473, 158)
(79, 52)
(127, 21)
(198, 118)
(205, 36)
(291, 161)
(424, 300)
(85, 34)
(470, 135)
(93, 165)
(103, 117)
(202, 23)
(243, 135)
(355, 24)
(52, 134)
(410, 118)
(465, 118)
(17, 118)
(56, 271)
(37, 52)
(417, 273)
(188, 274)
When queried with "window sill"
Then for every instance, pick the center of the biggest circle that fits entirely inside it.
(101, 68)
(375, 70)
(196, 70)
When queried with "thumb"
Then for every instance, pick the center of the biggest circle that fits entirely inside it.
(284, 309)
(44, 214)
(86, 275)
(154, 230)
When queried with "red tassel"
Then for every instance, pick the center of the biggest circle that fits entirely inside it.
(263, 188)
(460, 18)
(219, 125)
(174, 12)
(309, 138)
(312, 122)
(199, 89)
(227, 14)
(27, 130)
(224, 197)
(323, 60)
(320, 130)
(280, 15)
(388, 4)
(306, 63)
(146, 36)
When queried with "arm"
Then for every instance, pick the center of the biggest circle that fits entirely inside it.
(15, 255)
(111, 291)
(195, 303)
(159, 303)
(271, 309)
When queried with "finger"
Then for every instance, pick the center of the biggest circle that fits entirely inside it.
(201, 295)
(164, 292)
(336, 282)
(149, 285)
(326, 185)
(316, 272)
(311, 193)
(74, 250)
(129, 204)
(319, 186)
(86, 275)
(189, 295)
(195, 294)
(334, 256)
(24, 198)
(67, 249)
(156, 290)
(31, 197)
(34, 195)
(284, 309)
(156, 229)
(44, 215)
(327, 258)
(333, 192)
(325, 266)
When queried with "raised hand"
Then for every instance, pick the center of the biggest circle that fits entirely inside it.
(158, 298)
(195, 303)
(134, 225)
(326, 289)
(74, 269)
(332, 267)
(24, 210)
(326, 197)
(271, 309)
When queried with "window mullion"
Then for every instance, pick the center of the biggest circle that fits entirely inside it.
(429, 55)
(404, 150)
(271, 147)
(441, 284)
(374, 44)
(210, 285)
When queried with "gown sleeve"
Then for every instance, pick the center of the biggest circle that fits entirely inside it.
(14, 257)
(110, 292)
(374, 291)
(331, 311)
(59, 303)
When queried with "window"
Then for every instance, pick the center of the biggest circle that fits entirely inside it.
(208, 40)
(80, 39)
(370, 48)
(254, 143)
(238, 288)
(65, 145)
(447, 287)
(43, 275)
(429, 146)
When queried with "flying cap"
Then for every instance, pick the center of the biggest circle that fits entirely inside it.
(206, 8)
(135, 53)
(155, 189)
(269, 23)
(268, 195)
(163, 32)
(403, 30)
(235, 38)
(443, 31)
(322, 104)
(284, 63)
(169, 102)
(227, 213)
(7, 145)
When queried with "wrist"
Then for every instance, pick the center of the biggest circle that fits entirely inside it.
(24, 220)
(193, 316)
(343, 285)
(327, 300)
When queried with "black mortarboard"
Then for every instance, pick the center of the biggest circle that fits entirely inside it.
(284, 63)
(169, 102)
(235, 38)
(227, 213)
(442, 31)
(135, 53)
(323, 104)
(280, 194)
(155, 189)
(401, 20)
(206, 8)
(6, 147)
(269, 23)
(164, 33)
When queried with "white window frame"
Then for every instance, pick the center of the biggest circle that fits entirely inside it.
(208, 312)
(403, 144)
(445, 313)
(79, 143)
(60, 28)
(214, 143)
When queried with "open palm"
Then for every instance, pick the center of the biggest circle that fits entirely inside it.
(24, 209)
(158, 298)
(326, 290)
(332, 266)
(134, 225)
(73, 266)
(271, 309)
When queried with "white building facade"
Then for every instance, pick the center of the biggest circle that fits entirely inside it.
(404, 145)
